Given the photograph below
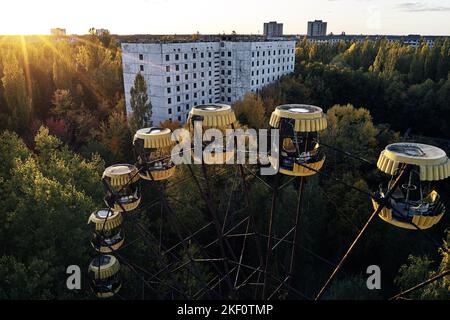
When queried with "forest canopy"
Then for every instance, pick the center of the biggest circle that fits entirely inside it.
(62, 120)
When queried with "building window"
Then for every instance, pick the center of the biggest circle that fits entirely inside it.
(195, 75)
(194, 56)
(187, 97)
(178, 88)
(186, 66)
(229, 72)
(210, 100)
(177, 68)
(194, 65)
(229, 90)
(229, 63)
(187, 107)
(185, 56)
(167, 68)
(229, 53)
(202, 55)
(229, 99)
(186, 76)
(222, 54)
(209, 64)
(195, 85)
(141, 67)
(209, 54)
(169, 101)
(203, 83)
(187, 87)
(195, 95)
(179, 118)
(167, 57)
(229, 81)
(168, 90)
(169, 111)
(178, 98)
(177, 57)
(168, 79)
(222, 63)
(202, 65)
(179, 109)
(253, 54)
(203, 74)
(141, 56)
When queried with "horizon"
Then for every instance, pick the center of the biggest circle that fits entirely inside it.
(170, 17)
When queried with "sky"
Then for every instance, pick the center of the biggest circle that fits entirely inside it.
(425, 17)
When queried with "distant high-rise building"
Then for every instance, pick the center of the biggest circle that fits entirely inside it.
(58, 32)
(273, 29)
(317, 28)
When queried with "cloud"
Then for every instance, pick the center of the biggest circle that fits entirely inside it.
(421, 7)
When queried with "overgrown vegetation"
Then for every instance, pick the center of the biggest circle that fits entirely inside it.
(62, 120)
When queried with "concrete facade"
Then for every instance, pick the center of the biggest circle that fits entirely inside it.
(273, 29)
(181, 75)
(317, 28)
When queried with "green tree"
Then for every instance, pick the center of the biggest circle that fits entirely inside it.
(16, 94)
(45, 199)
(250, 111)
(79, 121)
(351, 288)
(140, 104)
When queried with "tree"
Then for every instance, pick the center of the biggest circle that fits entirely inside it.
(78, 120)
(351, 128)
(140, 106)
(116, 137)
(172, 125)
(418, 269)
(46, 198)
(351, 288)
(250, 111)
(16, 94)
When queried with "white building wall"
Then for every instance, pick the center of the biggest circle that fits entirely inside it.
(182, 75)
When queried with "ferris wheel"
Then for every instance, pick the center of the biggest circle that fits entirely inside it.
(237, 247)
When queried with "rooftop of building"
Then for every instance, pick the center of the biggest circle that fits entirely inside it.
(148, 38)
(376, 37)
